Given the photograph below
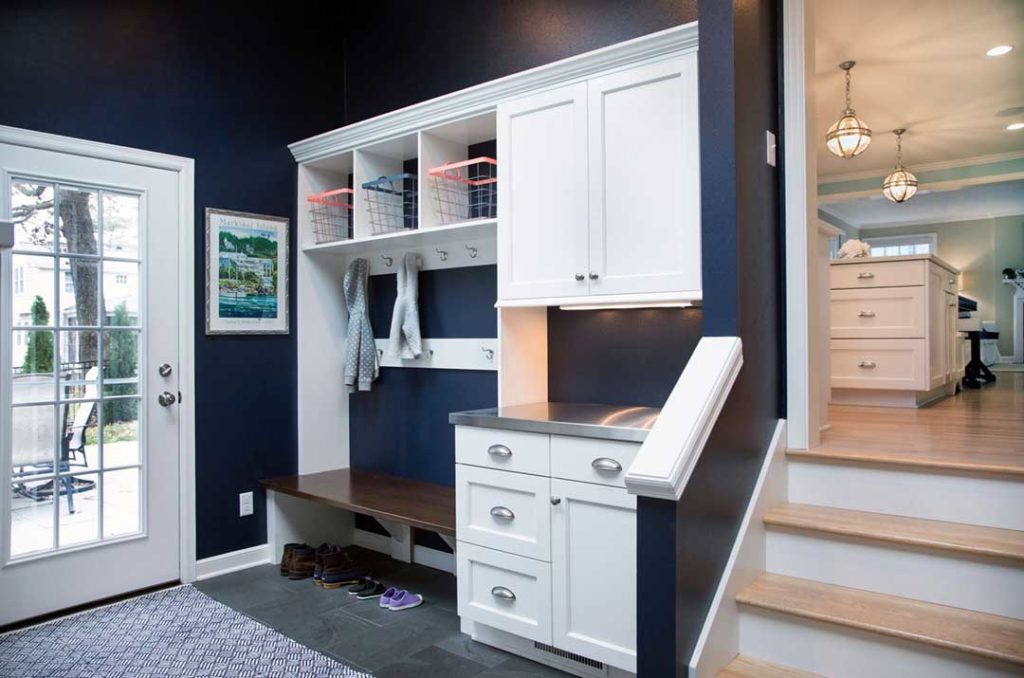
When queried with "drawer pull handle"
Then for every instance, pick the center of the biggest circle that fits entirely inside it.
(866, 275)
(503, 593)
(502, 513)
(606, 464)
(867, 364)
(866, 314)
(499, 451)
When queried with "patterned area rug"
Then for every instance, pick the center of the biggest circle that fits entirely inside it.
(175, 632)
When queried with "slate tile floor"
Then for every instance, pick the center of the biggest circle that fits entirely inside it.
(423, 642)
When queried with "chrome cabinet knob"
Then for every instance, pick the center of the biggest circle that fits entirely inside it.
(503, 593)
(593, 276)
(166, 399)
(499, 451)
(164, 370)
(502, 513)
(555, 501)
(606, 464)
(580, 277)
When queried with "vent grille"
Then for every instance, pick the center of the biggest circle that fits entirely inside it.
(578, 658)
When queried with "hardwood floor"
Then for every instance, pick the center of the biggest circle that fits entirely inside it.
(978, 430)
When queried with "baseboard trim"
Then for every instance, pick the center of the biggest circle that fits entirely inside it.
(439, 560)
(233, 561)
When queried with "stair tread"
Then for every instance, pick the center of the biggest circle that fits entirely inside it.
(960, 537)
(977, 633)
(968, 461)
(751, 667)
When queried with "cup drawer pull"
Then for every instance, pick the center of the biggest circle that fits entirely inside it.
(866, 314)
(867, 364)
(499, 451)
(502, 513)
(866, 275)
(606, 464)
(502, 593)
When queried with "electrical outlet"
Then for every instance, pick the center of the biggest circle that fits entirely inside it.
(245, 504)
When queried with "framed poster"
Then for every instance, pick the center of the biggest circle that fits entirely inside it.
(246, 273)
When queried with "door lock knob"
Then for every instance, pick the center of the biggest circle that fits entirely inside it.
(166, 399)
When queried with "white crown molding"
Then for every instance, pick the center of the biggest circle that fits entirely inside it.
(944, 220)
(826, 180)
(485, 97)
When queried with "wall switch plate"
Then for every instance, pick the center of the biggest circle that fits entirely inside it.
(245, 504)
(769, 137)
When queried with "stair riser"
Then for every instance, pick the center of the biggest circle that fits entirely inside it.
(968, 582)
(843, 652)
(960, 498)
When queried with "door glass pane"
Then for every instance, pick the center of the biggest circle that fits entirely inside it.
(79, 292)
(80, 444)
(120, 225)
(79, 509)
(33, 443)
(33, 291)
(120, 362)
(32, 211)
(121, 501)
(32, 366)
(79, 372)
(78, 216)
(31, 516)
(121, 293)
(120, 432)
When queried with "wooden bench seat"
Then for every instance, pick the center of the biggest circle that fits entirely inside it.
(421, 505)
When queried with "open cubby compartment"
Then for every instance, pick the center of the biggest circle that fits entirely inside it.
(328, 217)
(468, 191)
(386, 183)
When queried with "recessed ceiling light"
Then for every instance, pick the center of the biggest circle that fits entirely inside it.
(999, 50)
(1014, 126)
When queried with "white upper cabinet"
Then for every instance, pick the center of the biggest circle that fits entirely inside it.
(600, 189)
(645, 180)
(542, 195)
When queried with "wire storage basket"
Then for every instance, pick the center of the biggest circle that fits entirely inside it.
(331, 214)
(391, 203)
(466, 190)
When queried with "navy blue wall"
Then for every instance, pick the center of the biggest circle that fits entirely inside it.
(230, 88)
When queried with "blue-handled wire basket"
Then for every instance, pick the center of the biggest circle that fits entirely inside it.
(392, 203)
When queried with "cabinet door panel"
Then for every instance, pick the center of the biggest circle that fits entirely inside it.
(542, 195)
(938, 327)
(593, 572)
(645, 180)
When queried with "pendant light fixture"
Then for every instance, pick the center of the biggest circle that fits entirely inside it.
(900, 185)
(849, 136)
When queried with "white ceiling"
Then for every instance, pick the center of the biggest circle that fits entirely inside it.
(921, 64)
(963, 204)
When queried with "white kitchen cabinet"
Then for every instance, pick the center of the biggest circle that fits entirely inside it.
(600, 197)
(593, 572)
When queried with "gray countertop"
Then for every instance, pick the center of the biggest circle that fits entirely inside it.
(610, 422)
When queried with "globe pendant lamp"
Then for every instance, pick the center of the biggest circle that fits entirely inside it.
(900, 185)
(849, 136)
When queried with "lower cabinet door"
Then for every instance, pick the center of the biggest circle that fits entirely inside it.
(593, 572)
(508, 592)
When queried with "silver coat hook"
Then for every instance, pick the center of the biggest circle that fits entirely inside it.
(388, 261)
(488, 352)
(472, 251)
(441, 253)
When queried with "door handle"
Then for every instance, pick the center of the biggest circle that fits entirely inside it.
(502, 513)
(499, 451)
(166, 399)
(606, 464)
(164, 370)
(866, 314)
(503, 593)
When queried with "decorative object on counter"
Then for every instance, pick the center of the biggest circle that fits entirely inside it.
(392, 203)
(901, 184)
(404, 339)
(466, 190)
(331, 214)
(849, 136)
(854, 249)
(361, 366)
(246, 273)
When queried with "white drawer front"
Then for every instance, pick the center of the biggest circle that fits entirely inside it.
(505, 450)
(501, 510)
(591, 461)
(877, 274)
(883, 313)
(507, 592)
(880, 364)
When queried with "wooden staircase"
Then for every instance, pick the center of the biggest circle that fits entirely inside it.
(890, 564)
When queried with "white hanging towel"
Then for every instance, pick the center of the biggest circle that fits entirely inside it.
(404, 341)
(361, 366)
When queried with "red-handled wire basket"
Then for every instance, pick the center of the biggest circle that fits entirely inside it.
(465, 190)
(331, 214)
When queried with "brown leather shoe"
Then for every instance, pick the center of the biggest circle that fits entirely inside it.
(321, 551)
(302, 563)
(338, 570)
(286, 557)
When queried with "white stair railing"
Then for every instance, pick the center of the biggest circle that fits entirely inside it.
(669, 454)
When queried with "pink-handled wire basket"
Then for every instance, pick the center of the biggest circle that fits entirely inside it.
(465, 190)
(331, 214)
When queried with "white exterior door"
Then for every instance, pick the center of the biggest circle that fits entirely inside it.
(593, 572)
(542, 195)
(89, 455)
(645, 180)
